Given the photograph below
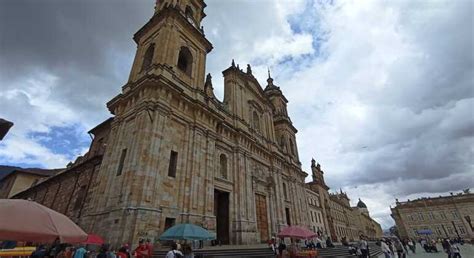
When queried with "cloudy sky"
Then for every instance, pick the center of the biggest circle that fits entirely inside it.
(381, 91)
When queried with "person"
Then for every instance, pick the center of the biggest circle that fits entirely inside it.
(141, 250)
(149, 247)
(385, 248)
(446, 247)
(455, 252)
(188, 251)
(80, 252)
(329, 242)
(40, 252)
(412, 245)
(363, 247)
(122, 252)
(319, 243)
(399, 248)
(174, 253)
(103, 251)
(281, 247)
(127, 250)
(272, 244)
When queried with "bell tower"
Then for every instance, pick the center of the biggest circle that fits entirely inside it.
(285, 132)
(173, 40)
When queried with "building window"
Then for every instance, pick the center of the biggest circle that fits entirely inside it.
(148, 57)
(169, 222)
(282, 141)
(81, 194)
(455, 214)
(462, 230)
(285, 194)
(420, 216)
(173, 164)
(256, 121)
(223, 165)
(292, 147)
(185, 60)
(287, 213)
(442, 215)
(121, 162)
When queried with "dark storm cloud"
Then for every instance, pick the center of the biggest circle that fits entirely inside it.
(78, 42)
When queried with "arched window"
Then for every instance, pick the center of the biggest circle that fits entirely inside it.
(148, 57)
(256, 121)
(185, 60)
(223, 165)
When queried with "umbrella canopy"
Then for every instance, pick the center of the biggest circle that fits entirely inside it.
(187, 232)
(94, 240)
(23, 220)
(296, 232)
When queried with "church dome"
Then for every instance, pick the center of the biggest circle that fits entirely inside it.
(361, 204)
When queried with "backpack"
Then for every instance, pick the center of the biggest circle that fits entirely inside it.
(177, 255)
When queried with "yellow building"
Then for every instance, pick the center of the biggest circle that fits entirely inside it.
(19, 179)
(444, 216)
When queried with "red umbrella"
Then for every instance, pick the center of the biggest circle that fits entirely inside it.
(94, 240)
(23, 220)
(296, 232)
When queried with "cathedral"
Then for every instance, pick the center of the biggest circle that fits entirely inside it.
(173, 153)
(177, 154)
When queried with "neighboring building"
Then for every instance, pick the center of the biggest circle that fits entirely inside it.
(71, 190)
(445, 216)
(340, 220)
(19, 179)
(364, 223)
(315, 210)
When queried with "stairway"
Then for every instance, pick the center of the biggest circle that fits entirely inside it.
(265, 252)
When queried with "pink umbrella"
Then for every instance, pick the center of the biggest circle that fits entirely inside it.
(23, 220)
(296, 232)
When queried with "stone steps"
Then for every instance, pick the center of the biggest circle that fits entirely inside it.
(265, 252)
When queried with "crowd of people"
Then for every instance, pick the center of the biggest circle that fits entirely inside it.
(144, 250)
(394, 247)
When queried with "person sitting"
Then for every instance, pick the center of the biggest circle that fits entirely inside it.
(329, 243)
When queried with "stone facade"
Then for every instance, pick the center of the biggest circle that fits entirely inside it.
(176, 154)
(445, 216)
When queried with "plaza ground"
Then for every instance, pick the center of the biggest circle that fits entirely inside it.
(467, 251)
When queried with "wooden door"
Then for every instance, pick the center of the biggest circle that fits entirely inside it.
(262, 218)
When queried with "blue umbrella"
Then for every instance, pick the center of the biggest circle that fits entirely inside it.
(424, 232)
(187, 232)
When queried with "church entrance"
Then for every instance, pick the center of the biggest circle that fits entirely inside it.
(262, 218)
(221, 211)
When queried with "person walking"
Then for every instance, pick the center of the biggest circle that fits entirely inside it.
(80, 252)
(149, 247)
(400, 250)
(122, 252)
(455, 251)
(174, 253)
(141, 250)
(363, 247)
(385, 248)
